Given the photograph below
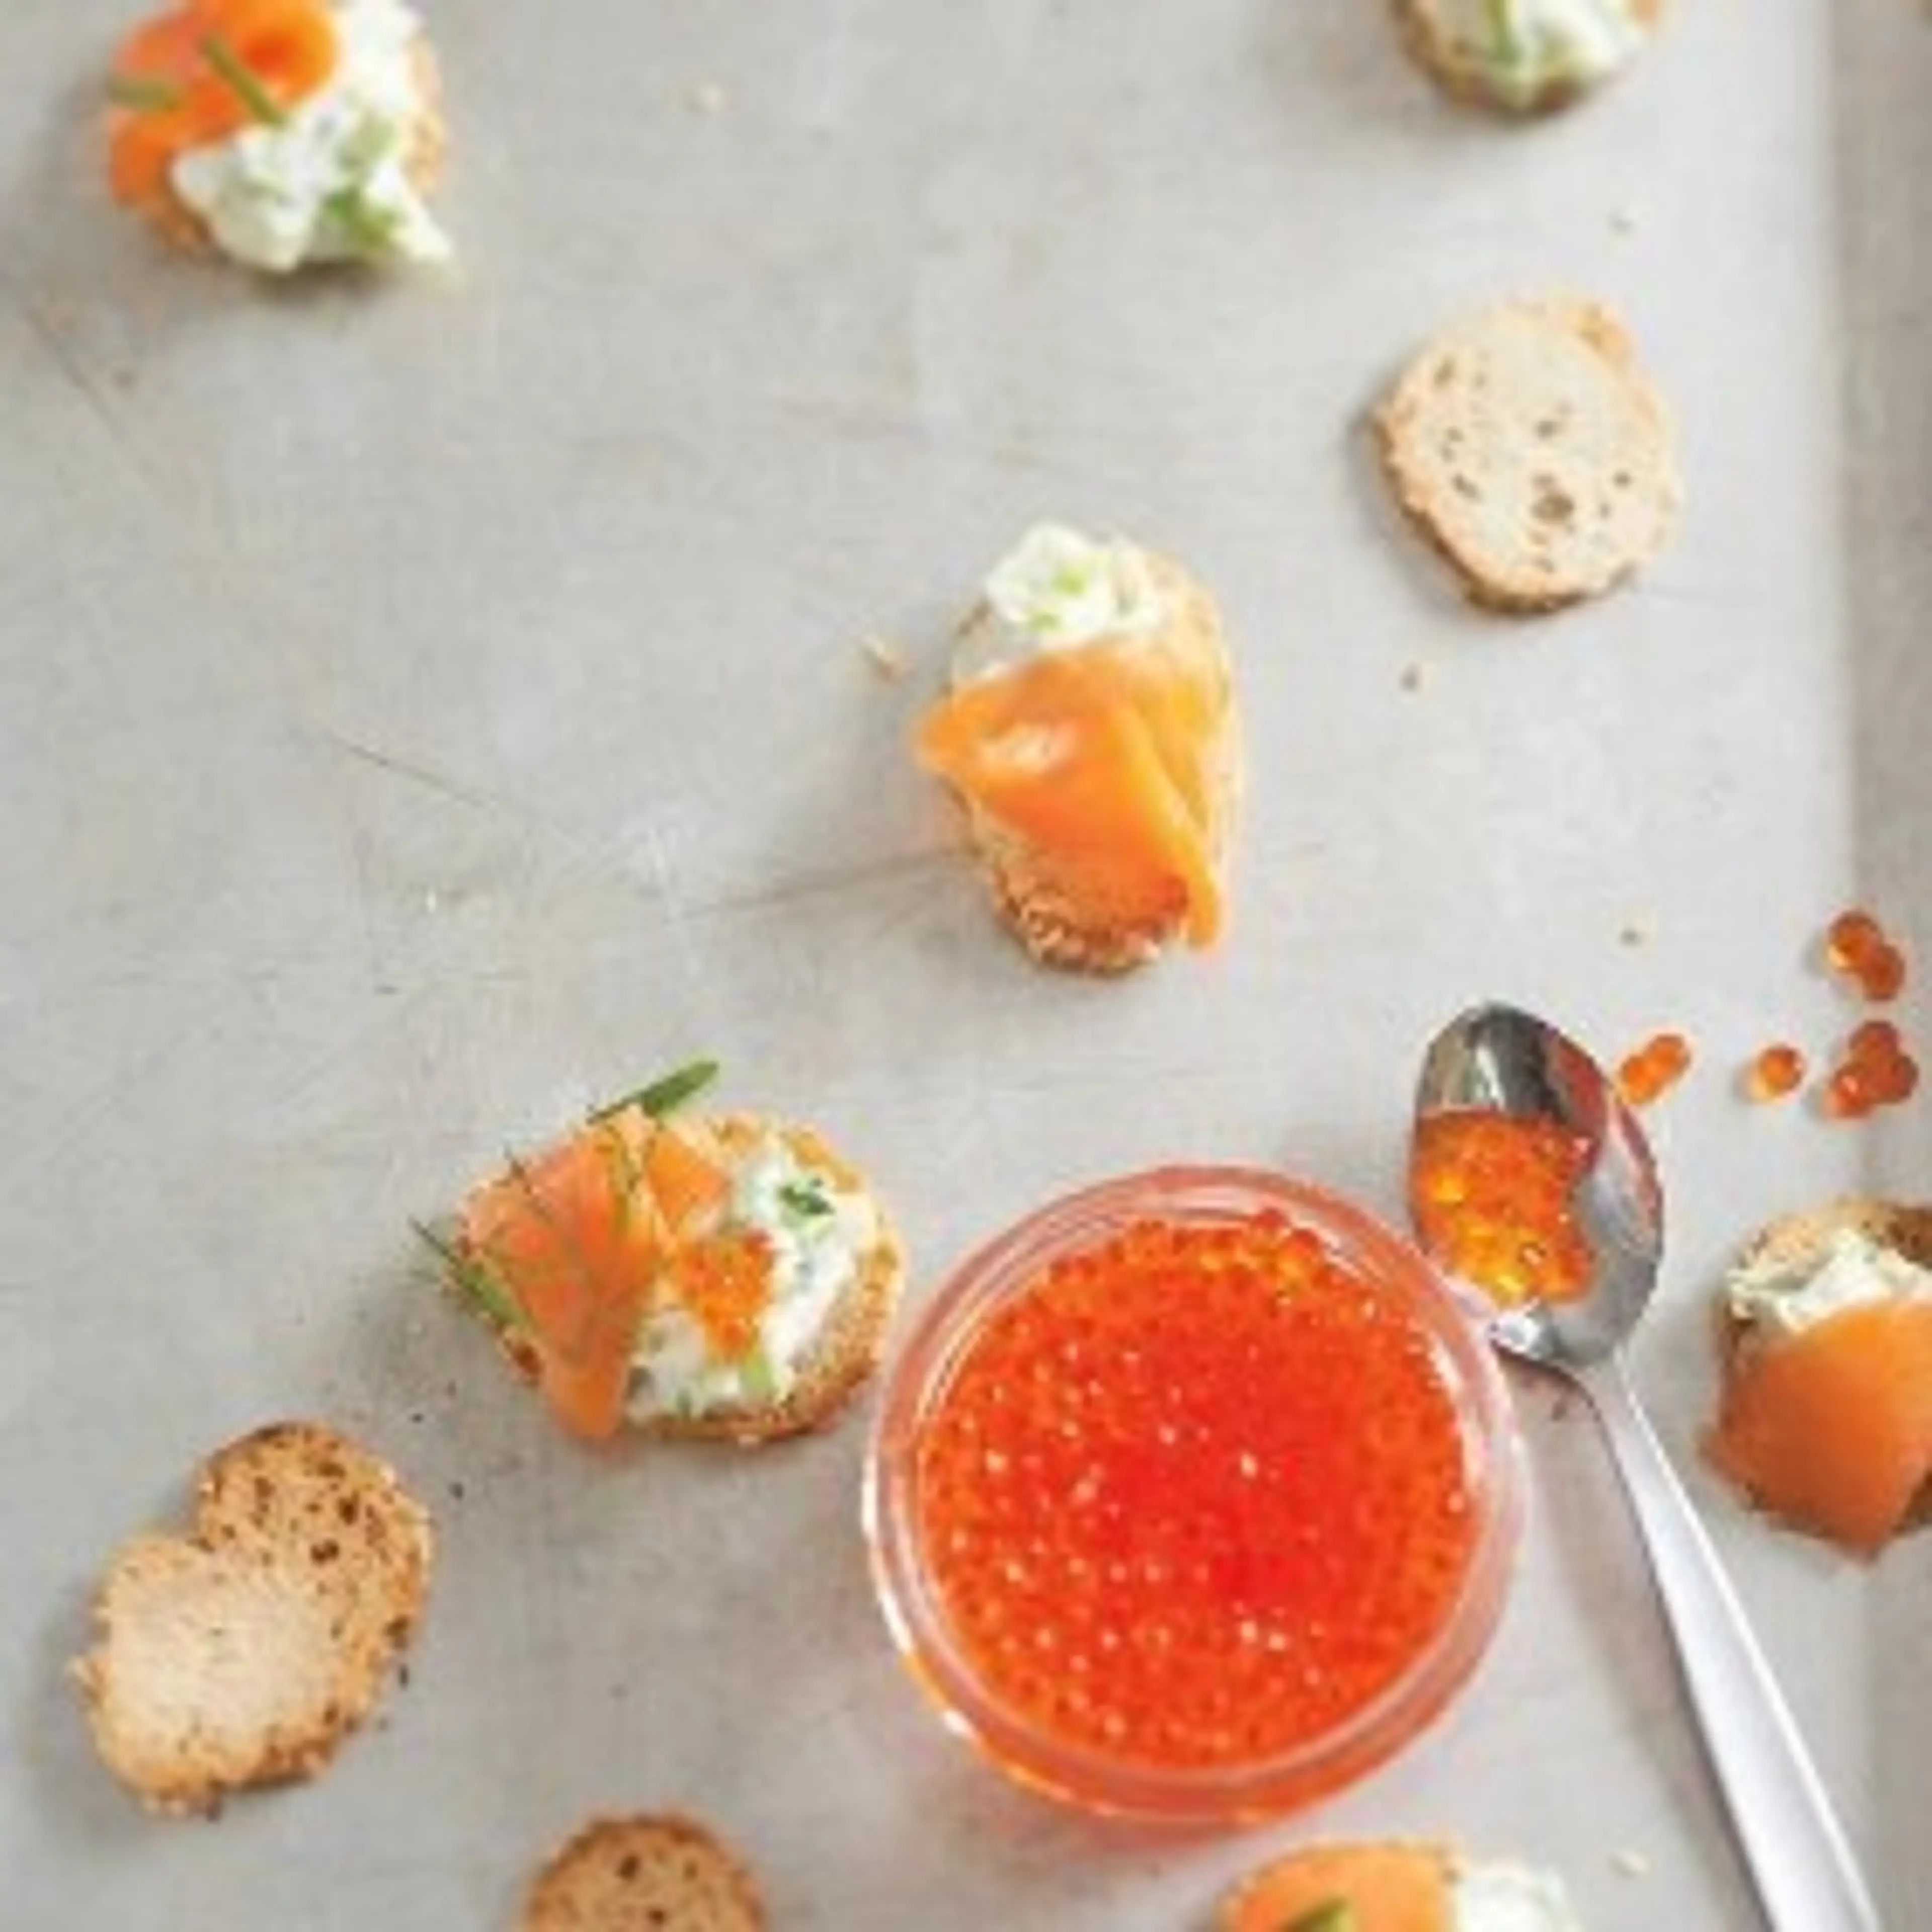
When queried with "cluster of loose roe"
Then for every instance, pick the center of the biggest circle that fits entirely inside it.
(1857, 947)
(1874, 1071)
(1491, 1197)
(1194, 1495)
(1655, 1067)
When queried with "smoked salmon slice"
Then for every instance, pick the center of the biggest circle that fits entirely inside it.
(1370, 1888)
(571, 1240)
(201, 72)
(1831, 1428)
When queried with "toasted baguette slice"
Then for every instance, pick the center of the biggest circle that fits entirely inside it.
(644, 1874)
(1462, 72)
(854, 1338)
(1527, 447)
(1074, 910)
(244, 1653)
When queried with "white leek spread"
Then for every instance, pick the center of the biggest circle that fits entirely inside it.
(1524, 48)
(1057, 589)
(330, 181)
(1784, 1297)
(1509, 1898)
(820, 1237)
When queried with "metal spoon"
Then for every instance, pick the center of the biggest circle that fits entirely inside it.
(1495, 1059)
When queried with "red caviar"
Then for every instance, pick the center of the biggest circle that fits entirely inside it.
(1654, 1068)
(1876, 1071)
(1196, 1494)
(1858, 946)
(1491, 1198)
(1775, 1072)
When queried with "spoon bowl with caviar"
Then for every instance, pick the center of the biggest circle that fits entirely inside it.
(1533, 1188)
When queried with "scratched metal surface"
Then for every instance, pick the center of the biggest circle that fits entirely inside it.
(425, 707)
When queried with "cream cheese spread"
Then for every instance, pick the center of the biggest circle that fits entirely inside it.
(1055, 590)
(1509, 1898)
(330, 181)
(819, 1237)
(1778, 1297)
(1524, 48)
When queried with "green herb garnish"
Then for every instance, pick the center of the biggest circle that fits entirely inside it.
(661, 1096)
(245, 82)
(145, 93)
(492, 1299)
(806, 1199)
(367, 229)
(1332, 1915)
(756, 1376)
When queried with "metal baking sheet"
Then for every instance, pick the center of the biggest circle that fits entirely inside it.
(428, 706)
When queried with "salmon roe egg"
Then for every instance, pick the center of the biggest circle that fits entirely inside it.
(1191, 1496)
(1776, 1072)
(1883, 976)
(1654, 1068)
(1850, 940)
(1491, 1197)
(1857, 946)
(1876, 1071)
(1851, 1093)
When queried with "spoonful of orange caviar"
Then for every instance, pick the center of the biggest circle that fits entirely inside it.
(1566, 1159)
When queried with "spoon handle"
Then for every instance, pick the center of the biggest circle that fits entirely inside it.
(1807, 1878)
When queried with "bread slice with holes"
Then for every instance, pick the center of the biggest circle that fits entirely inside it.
(246, 1651)
(666, 1873)
(1527, 447)
(1469, 71)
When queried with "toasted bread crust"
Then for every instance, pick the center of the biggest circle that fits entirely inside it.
(1585, 517)
(1059, 913)
(244, 1653)
(1434, 49)
(663, 1874)
(853, 1340)
(1800, 1239)
(181, 227)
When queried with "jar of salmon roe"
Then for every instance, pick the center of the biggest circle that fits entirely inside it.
(1193, 1497)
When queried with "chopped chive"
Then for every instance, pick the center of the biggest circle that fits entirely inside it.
(1332, 1915)
(805, 1197)
(144, 93)
(476, 1281)
(757, 1377)
(660, 1097)
(246, 83)
(1502, 33)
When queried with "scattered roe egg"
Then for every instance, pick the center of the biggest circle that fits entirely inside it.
(1876, 1071)
(1857, 947)
(1491, 1198)
(1776, 1072)
(1654, 1068)
(1196, 1494)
